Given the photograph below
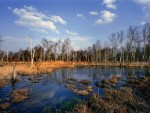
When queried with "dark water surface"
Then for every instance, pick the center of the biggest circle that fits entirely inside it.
(47, 92)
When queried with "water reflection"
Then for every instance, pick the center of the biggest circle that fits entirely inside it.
(49, 89)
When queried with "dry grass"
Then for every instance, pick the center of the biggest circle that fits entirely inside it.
(6, 71)
(112, 104)
(85, 81)
(5, 105)
(119, 97)
(81, 108)
(4, 82)
(142, 88)
(114, 80)
(123, 100)
(84, 91)
(98, 105)
(20, 95)
(77, 87)
(25, 68)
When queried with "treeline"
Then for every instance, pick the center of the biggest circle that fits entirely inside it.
(132, 45)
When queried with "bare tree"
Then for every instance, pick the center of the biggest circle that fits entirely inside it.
(89, 53)
(134, 41)
(44, 44)
(32, 52)
(121, 39)
(98, 50)
(59, 43)
(48, 47)
(66, 48)
(39, 50)
(55, 50)
(0, 40)
(131, 42)
(106, 51)
(2, 55)
(114, 41)
(146, 41)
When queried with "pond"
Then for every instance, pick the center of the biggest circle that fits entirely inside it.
(48, 92)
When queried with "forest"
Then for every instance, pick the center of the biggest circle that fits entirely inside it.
(132, 45)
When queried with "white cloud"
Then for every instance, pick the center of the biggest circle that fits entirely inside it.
(94, 13)
(80, 16)
(10, 41)
(39, 30)
(78, 41)
(9, 8)
(71, 33)
(30, 17)
(143, 22)
(146, 15)
(146, 10)
(81, 42)
(110, 4)
(143, 2)
(75, 36)
(106, 17)
(58, 19)
(79, 38)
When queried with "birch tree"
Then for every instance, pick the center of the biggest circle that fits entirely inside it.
(32, 52)
(98, 50)
(114, 42)
(121, 40)
(66, 48)
(146, 41)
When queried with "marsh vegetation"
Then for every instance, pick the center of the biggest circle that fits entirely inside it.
(88, 89)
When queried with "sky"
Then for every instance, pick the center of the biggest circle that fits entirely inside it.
(83, 21)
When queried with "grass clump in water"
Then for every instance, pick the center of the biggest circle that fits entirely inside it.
(123, 100)
(5, 105)
(20, 95)
(85, 81)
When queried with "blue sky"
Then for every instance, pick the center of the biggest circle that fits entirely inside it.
(83, 21)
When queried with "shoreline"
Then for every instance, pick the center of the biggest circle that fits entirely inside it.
(24, 68)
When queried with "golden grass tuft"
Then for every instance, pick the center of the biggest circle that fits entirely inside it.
(77, 91)
(20, 95)
(5, 105)
(114, 80)
(3, 82)
(85, 81)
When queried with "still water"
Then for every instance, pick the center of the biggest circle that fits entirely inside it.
(47, 92)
